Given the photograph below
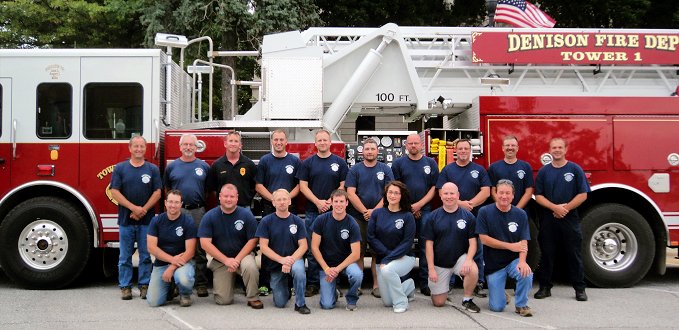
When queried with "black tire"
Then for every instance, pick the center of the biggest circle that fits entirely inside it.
(44, 243)
(617, 246)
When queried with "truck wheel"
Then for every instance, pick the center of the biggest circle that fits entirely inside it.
(617, 245)
(44, 243)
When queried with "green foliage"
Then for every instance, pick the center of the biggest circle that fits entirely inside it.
(613, 13)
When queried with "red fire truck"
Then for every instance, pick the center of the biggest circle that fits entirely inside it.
(67, 116)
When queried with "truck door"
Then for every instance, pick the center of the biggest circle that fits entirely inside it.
(5, 133)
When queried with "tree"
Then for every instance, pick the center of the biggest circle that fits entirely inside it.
(597, 13)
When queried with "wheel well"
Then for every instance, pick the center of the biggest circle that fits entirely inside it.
(44, 191)
(640, 204)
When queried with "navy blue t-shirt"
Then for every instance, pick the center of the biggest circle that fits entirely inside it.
(278, 172)
(419, 175)
(469, 179)
(137, 184)
(450, 233)
(336, 237)
(323, 175)
(369, 182)
(561, 185)
(390, 234)
(520, 174)
(229, 232)
(172, 234)
(511, 227)
(283, 235)
(189, 178)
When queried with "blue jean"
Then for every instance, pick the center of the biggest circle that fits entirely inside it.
(314, 268)
(328, 292)
(279, 285)
(128, 236)
(496, 287)
(394, 293)
(183, 276)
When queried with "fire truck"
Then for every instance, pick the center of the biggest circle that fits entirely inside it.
(67, 116)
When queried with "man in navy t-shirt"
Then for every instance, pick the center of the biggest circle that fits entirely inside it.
(319, 175)
(135, 185)
(227, 233)
(503, 229)
(560, 188)
(336, 244)
(172, 240)
(419, 173)
(450, 239)
(515, 170)
(282, 238)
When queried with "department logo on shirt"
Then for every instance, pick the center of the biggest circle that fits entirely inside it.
(239, 224)
(179, 231)
(521, 174)
(344, 233)
(427, 169)
(293, 229)
(380, 176)
(289, 169)
(513, 226)
(474, 174)
(461, 223)
(398, 223)
(199, 171)
(569, 176)
(145, 178)
(334, 167)
(242, 171)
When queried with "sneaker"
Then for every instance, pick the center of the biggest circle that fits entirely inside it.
(339, 293)
(360, 292)
(425, 291)
(507, 297)
(302, 309)
(524, 311)
(143, 290)
(201, 291)
(126, 293)
(400, 309)
(310, 291)
(469, 305)
(479, 291)
(581, 295)
(263, 291)
(543, 293)
(185, 301)
(376, 293)
(351, 307)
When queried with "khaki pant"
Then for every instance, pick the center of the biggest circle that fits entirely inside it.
(223, 280)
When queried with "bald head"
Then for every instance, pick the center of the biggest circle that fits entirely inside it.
(449, 196)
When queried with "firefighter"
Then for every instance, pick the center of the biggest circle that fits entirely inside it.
(474, 187)
(135, 185)
(365, 188)
(560, 188)
(319, 175)
(188, 175)
(419, 173)
(515, 170)
(234, 168)
(227, 233)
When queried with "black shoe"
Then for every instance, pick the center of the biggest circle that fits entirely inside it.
(425, 291)
(302, 309)
(543, 293)
(201, 291)
(310, 291)
(470, 306)
(479, 291)
(581, 295)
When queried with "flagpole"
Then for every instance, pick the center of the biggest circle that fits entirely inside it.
(490, 8)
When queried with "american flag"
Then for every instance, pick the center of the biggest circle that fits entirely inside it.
(520, 13)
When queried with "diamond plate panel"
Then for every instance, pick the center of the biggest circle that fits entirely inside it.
(292, 88)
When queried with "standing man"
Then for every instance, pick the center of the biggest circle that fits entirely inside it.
(188, 174)
(135, 185)
(474, 187)
(336, 244)
(503, 229)
(450, 239)
(282, 238)
(419, 173)
(234, 168)
(365, 188)
(319, 176)
(172, 240)
(560, 188)
(515, 170)
(277, 170)
(227, 233)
